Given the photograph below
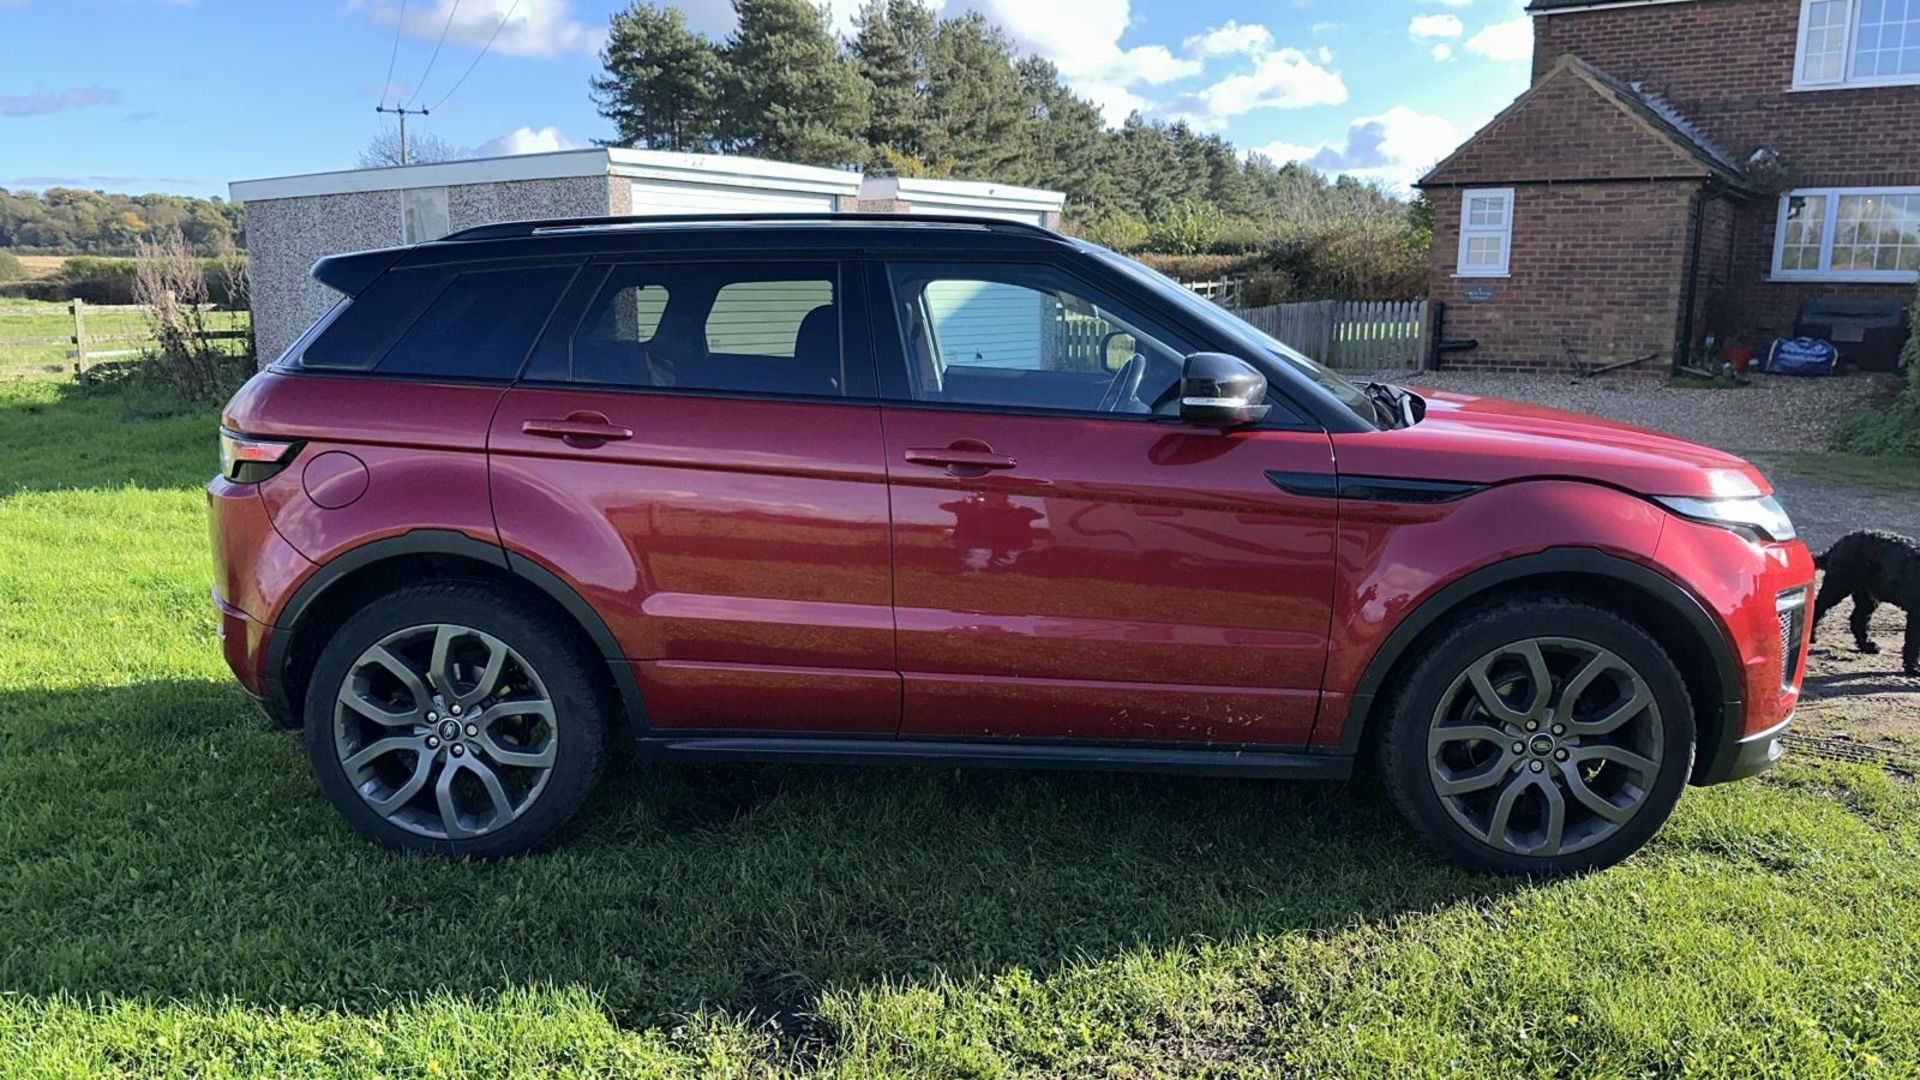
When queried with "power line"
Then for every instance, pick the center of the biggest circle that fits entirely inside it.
(515, 6)
(451, 12)
(398, 24)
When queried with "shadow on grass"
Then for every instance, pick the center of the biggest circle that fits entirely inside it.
(162, 841)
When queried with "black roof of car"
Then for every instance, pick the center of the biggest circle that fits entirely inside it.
(925, 233)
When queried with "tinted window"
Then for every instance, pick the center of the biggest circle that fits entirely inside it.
(750, 328)
(1029, 337)
(481, 325)
(361, 333)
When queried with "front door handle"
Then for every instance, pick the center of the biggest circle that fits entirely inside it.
(966, 457)
(582, 429)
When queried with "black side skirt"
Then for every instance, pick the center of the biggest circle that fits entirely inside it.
(1264, 764)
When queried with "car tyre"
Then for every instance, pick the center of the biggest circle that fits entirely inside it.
(452, 718)
(1539, 735)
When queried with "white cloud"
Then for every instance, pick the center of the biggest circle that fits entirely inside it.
(1282, 79)
(1443, 52)
(1394, 147)
(1451, 3)
(1504, 41)
(532, 27)
(1082, 38)
(1325, 28)
(1440, 26)
(527, 140)
(1231, 37)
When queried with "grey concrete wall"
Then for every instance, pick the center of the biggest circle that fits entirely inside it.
(285, 236)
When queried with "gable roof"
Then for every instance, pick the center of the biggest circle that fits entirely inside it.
(1646, 137)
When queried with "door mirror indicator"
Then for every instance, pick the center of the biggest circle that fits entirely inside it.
(1222, 391)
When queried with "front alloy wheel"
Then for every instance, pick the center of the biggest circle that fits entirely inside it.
(445, 731)
(1545, 746)
(1537, 735)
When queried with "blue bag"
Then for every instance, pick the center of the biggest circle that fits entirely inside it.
(1801, 356)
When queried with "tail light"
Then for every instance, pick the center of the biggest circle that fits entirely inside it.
(245, 459)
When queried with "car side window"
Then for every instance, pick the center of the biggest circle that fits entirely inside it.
(1017, 336)
(728, 327)
(480, 326)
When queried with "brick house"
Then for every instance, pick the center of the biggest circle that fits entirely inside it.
(1679, 168)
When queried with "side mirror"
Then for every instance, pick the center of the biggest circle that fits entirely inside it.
(1222, 391)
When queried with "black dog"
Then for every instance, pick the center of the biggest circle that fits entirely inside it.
(1873, 568)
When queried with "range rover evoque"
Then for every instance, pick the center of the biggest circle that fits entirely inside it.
(893, 489)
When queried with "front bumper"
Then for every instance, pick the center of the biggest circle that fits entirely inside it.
(1752, 590)
(1755, 754)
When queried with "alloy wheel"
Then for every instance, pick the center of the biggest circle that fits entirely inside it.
(1545, 746)
(445, 731)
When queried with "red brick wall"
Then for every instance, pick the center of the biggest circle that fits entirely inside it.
(1727, 65)
(1603, 265)
(1567, 129)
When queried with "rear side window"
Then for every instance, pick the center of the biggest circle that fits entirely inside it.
(756, 328)
(371, 322)
(480, 326)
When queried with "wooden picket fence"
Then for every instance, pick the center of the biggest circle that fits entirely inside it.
(1355, 335)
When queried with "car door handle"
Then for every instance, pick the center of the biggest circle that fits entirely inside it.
(975, 459)
(582, 429)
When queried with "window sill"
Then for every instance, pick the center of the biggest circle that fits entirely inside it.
(1815, 88)
(1481, 275)
(1883, 277)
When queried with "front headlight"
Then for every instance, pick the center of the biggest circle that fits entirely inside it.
(1759, 517)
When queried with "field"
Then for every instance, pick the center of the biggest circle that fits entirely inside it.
(42, 319)
(178, 898)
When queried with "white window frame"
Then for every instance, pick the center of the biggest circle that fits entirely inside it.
(1846, 80)
(1468, 231)
(1828, 229)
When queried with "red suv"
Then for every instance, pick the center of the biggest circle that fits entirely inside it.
(894, 489)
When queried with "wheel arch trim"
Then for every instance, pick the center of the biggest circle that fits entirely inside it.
(1562, 561)
(448, 543)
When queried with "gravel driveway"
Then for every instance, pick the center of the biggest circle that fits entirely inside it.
(1855, 704)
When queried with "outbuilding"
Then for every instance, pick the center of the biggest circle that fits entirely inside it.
(294, 220)
(919, 195)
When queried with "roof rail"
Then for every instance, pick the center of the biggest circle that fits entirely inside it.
(507, 230)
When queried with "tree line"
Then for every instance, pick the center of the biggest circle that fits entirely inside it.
(914, 94)
(62, 220)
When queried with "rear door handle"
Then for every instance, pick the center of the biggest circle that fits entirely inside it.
(961, 460)
(581, 429)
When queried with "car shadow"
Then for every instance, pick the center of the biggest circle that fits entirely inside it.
(165, 842)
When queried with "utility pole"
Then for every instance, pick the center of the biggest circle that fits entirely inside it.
(402, 111)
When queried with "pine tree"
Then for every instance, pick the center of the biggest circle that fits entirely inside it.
(662, 83)
(974, 98)
(890, 52)
(793, 96)
(1065, 143)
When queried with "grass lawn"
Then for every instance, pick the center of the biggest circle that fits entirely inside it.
(175, 896)
(48, 319)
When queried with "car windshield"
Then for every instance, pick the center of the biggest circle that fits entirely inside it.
(1353, 397)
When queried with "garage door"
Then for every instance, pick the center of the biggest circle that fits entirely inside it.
(653, 197)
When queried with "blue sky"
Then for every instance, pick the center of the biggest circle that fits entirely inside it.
(186, 95)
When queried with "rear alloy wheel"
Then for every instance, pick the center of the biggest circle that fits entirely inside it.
(1526, 751)
(447, 718)
(445, 731)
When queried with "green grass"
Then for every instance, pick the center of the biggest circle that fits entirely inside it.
(46, 319)
(1891, 471)
(176, 897)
